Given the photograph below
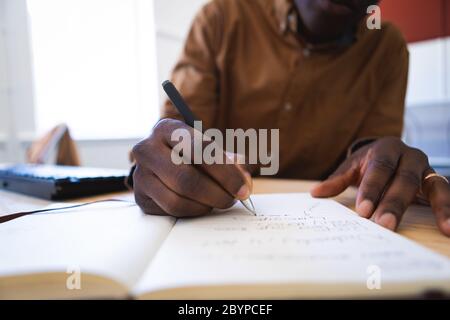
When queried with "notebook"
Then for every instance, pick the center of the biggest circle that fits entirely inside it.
(296, 247)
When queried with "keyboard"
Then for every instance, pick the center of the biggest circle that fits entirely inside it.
(61, 182)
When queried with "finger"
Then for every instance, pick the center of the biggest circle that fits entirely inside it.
(337, 183)
(402, 191)
(380, 168)
(225, 173)
(439, 196)
(188, 181)
(148, 205)
(151, 187)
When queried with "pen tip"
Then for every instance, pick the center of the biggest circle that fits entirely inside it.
(248, 204)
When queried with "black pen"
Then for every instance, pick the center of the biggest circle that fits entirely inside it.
(189, 119)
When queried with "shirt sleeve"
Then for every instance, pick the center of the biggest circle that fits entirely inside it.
(196, 73)
(387, 113)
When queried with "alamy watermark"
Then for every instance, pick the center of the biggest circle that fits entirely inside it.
(255, 147)
(374, 19)
(373, 277)
(73, 281)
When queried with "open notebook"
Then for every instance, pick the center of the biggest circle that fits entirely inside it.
(297, 247)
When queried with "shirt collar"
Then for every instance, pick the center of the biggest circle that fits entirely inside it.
(287, 18)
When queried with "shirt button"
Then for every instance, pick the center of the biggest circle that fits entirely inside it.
(287, 107)
(306, 52)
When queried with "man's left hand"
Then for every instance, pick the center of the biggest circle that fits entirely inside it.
(389, 175)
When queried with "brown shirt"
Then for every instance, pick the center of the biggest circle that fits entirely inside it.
(244, 65)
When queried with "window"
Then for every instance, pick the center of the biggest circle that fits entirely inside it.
(94, 66)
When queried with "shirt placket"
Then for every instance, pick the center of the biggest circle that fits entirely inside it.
(294, 95)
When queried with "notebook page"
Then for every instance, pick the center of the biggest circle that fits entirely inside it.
(11, 202)
(114, 240)
(294, 238)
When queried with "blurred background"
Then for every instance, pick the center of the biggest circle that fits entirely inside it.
(97, 65)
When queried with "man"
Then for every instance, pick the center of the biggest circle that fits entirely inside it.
(313, 69)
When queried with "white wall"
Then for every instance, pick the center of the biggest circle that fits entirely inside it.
(427, 122)
(106, 154)
(429, 74)
(3, 80)
(171, 29)
(16, 92)
(447, 65)
(16, 97)
(3, 77)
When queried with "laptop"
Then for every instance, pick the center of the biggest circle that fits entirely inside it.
(61, 182)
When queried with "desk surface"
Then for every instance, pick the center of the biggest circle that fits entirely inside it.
(418, 224)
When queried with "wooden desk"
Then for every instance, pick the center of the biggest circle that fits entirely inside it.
(418, 223)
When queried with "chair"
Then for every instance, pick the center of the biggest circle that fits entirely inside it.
(56, 140)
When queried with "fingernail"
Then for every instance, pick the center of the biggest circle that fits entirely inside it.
(365, 208)
(243, 193)
(387, 220)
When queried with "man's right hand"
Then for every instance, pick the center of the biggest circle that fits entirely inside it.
(163, 187)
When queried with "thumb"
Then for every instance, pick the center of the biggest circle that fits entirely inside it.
(336, 183)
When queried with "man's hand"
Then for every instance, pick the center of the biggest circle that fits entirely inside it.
(389, 175)
(162, 187)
